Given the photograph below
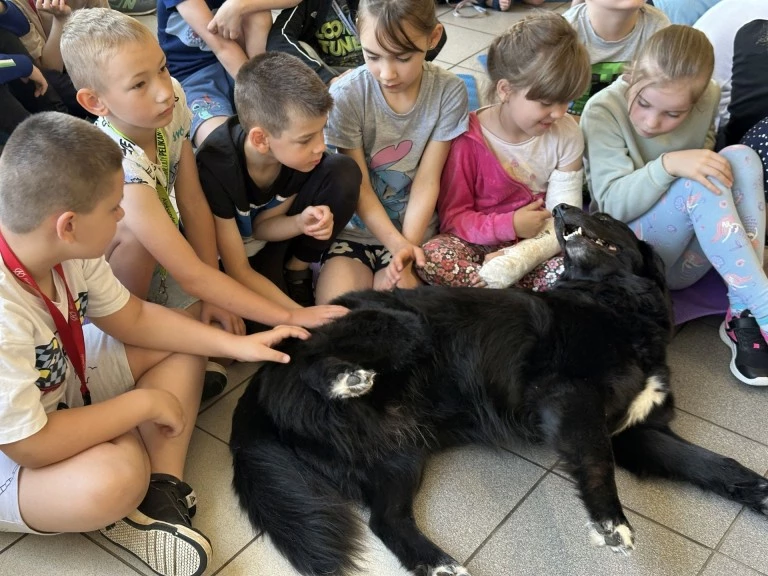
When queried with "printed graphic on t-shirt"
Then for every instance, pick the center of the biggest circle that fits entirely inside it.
(50, 361)
(603, 75)
(338, 46)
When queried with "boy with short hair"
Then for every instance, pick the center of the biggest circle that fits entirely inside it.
(122, 78)
(95, 419)
(269, 180)
(613, 32)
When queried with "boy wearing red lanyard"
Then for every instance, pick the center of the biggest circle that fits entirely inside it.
(95, 420)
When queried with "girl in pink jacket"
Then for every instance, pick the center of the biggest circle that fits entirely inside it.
(517, 155)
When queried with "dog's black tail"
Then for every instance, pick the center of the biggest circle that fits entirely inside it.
(307, 519)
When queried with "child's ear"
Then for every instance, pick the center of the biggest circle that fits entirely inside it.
(65, 226)
(91, 101)
(259, 139)
(434, 37)
(503, 90)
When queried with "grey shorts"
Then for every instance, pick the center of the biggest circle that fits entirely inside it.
(164, 290)
(109, 375)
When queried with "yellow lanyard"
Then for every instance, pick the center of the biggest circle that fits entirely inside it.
(162, 154)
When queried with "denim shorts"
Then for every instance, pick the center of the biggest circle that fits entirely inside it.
(210, 93)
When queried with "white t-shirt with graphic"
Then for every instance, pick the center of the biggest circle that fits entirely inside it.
(36, 375)
(138, 167)
(533, 161)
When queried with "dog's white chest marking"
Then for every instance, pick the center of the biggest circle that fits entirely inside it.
(654, 394)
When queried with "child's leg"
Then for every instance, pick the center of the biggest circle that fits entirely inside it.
(689, 209)
(757, 139)
(341, 274)
(452, 261)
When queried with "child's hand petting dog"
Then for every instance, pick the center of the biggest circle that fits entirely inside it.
(258, 347)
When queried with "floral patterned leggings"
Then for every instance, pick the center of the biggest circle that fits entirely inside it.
(452, 261)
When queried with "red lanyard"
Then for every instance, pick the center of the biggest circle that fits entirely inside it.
(70, 330)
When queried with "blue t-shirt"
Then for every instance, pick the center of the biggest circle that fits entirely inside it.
(185, 51)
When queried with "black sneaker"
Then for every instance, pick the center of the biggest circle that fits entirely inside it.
(299, 283)
(749, 353)
(159, 532)
(215, 380)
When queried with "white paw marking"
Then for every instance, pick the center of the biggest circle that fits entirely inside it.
(352, 384)
(654, 394)
(449, 570)
(618, 538)
(764, 507)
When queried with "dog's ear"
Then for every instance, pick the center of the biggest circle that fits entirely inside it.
(653, 265)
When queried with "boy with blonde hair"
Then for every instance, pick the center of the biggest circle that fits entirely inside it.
(95, 418)
(122, 78)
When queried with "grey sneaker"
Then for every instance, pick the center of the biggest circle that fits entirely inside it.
(134, 7)
(160, 533)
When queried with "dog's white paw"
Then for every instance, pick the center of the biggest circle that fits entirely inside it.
(352, 384)
(449, 570)
(618, 537)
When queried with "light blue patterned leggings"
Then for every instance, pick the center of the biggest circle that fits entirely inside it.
(692, 229)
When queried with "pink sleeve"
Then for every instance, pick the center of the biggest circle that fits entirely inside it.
(456, 202)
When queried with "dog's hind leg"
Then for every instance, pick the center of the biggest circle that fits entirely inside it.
(579, 433)
(658, 451)
(389, 492)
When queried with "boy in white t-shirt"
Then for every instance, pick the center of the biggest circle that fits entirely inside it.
(95, 420)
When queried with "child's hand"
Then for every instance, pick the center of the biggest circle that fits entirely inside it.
(316, 315)
(401, 262)
(37, 78)
(227, 21)
(56, 8)
(232, 323)
(258, 347)
(168, 415)
(317, 222)
(698, 165)
(530, 219)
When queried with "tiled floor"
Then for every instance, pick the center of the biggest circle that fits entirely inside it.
(510, 512)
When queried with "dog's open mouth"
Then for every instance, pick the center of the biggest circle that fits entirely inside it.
(571, 233)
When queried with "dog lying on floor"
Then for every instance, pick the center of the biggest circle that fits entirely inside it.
(368, 397)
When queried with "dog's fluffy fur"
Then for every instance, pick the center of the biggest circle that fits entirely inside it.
(368, 397)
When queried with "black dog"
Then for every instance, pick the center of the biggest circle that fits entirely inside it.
(364, 401)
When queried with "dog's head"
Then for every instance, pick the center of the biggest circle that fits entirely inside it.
(597, 246)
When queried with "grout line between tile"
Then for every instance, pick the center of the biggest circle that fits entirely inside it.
(504, 520)
(112, 553)
(723, 428)
(235, 555)
(12, 544)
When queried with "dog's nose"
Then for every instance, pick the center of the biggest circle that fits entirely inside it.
(560, 209)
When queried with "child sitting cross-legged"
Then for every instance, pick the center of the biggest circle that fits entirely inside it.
(520, 158)
(278, 199)
(95, 418)
(122, 78)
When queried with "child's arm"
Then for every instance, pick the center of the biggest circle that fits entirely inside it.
(274, 226)
(199, 231)
(618, 188)
(155, 327)
(59, 11)
(69, 432)
(227, 22)
(147, 220)
(197, 14)
(371, 210)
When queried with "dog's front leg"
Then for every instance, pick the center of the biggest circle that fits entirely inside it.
(579, 433)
